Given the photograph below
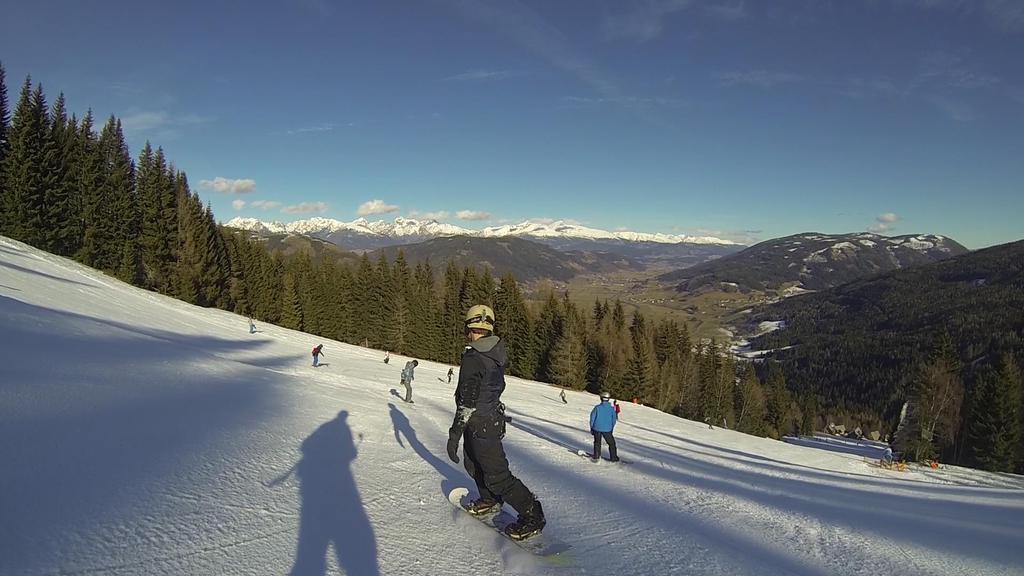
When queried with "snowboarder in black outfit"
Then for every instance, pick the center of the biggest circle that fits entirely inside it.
(480, 423)
(561, 394)
(451, 371)
(387, 357)
(317, 352)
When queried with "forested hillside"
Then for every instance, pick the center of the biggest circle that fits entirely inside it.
(861, 348)
(527, 260)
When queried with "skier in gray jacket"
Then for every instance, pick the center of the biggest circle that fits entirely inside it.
(407, 377)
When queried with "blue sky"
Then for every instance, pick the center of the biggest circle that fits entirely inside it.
(741, 119)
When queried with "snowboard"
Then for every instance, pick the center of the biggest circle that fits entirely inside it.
(589, 456)
(543, 545)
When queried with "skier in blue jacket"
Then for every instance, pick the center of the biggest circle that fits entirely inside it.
(602, 422)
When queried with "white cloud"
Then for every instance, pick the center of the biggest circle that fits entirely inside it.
(759, 78)
(265, 204)
(238, 204)
(375, 207)
(328, 127)
(483, 75)
(472, 215)
(438, 215)
(884, 222)
(625, 101)
(641, 21)
(229, 185)
(158, 123)
(728, 10)
(306, 208)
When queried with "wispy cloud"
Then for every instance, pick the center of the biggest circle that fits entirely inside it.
(229, 185)
(327, 127)
(1006, 15)
(159, 123)
(484, 75)
(238, 204)
(953, 108)
(438, 215)
(944, 80)
(884, 222)
(729, 10)
(306, 208)
(472, 215)
(625, 101)
(641, 21)
(265, 204)
(758, 78)
(371, 207)
(528, 29)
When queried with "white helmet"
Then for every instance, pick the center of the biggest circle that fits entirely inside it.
(605, 396)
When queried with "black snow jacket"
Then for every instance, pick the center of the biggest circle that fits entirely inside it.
(482, 376)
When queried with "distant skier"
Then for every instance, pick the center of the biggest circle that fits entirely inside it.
(407, 377)
(252, 327)
(387, 357)
(618, 409)
(480, 422)
(602, 422)
(561, 394)
(318, 350)
(887, 456)
(451, 371)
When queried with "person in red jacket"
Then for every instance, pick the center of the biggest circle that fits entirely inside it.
(618, 409)
(317, 352)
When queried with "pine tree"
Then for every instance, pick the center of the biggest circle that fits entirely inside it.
(598, 313)
(937, 397)
(24, 198)
(995, 432)
(569, 356)
(149, 181)
(546, 333)
(291, 307)
(5, 119)
(778, 403)
(514, 326)
(89, 173)
(119, 221)
(400, 322)
(641, 376)
(62, 204)
(751, 404)
(452, 314)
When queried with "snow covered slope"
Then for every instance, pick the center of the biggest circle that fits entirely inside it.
(141, 435)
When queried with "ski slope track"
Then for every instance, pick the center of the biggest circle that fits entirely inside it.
(143, 435)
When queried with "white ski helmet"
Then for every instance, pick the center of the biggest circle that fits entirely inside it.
(605, 396)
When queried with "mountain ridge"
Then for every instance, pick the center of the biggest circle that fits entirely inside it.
(408, 230)
(814, 261)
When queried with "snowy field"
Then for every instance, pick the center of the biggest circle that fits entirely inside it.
(141, 435)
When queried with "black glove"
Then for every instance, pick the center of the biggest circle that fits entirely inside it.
(462, 415)
(453, 443)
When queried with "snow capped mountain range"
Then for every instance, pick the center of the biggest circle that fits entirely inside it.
(417, 230)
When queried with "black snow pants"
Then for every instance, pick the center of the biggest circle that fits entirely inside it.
(611, 445)
(486, 463)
